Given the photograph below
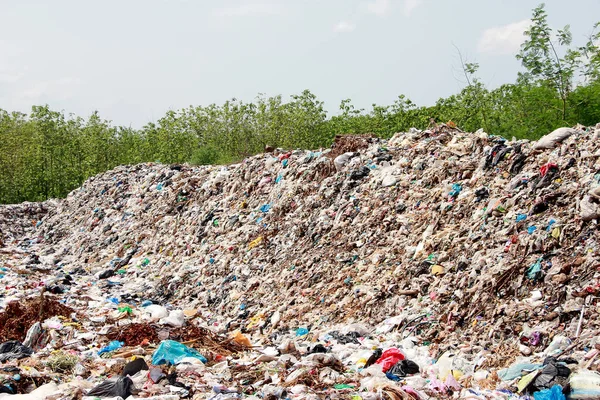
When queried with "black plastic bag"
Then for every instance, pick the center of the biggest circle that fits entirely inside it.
(122, 387)
(14, 350)
(319, 348)
(374, 357)
(8, 388)
(134, 367)
(359, 173)
(106, 274)
(404, 368)
(553, 373)
(350, 337)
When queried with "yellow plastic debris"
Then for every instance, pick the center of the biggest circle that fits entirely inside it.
(437, 270)
(190, 313)
(240, 339)
(255, 242)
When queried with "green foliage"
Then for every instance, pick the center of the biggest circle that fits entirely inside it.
(46, 154)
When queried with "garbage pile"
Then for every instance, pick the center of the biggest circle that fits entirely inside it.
(436, 264)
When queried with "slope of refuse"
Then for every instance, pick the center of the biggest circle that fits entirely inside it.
(465, 252)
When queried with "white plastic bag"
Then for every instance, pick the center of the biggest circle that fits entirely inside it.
(553, 138)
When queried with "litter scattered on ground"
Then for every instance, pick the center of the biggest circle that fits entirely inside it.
(436, 264)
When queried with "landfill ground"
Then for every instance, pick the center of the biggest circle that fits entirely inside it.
(437, 264)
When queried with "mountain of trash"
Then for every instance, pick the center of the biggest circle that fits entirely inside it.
(435, 264)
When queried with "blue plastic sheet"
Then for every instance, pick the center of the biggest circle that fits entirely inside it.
(516, 371)
(112, 346)
(534, 271)
(521, 217)
(301, 332)
(554, 393)
(392, 377)
(456, 189)
(172, 352)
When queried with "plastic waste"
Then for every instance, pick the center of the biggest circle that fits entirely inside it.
(403, 368)
(172, 352)
(240, 339)
(41, 393)
(175, 318)
(389, 358)
(558, 344)
(585, 384)
(112, 346)
(517, 370)
(553, 138)
(156, 311)
(554, 393)
(341, 160)
(589, 209)
(301, 331)
(33, 335)
(135, 366)
(121, 387)
(14, 350)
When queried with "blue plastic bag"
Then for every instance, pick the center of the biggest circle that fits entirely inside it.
(535, 270)
(301, 331)
(521, 217)
(172, 352)
(392, 377)
(112, 346)
(554, 393)
(456, 189)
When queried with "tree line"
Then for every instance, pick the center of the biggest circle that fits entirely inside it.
(46, 154)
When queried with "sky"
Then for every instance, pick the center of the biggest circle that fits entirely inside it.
(133, 60)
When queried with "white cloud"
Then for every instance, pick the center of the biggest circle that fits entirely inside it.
(379, 7)
(503, 39)
(344, 26)
(58, 89)
(10, 71)
(249, 9)
(410, 5)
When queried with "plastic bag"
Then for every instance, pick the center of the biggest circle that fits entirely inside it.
(389, 358)
(404, 368)
(589, 210)
(41, 393)
(172, 352)
(134, 367)
(301, 331)
(122, 387)
(33, 334)
(112, 346)
(554, 393)
(156, 311)
(240, 339)
(176, 318)
(584, 385)
(341, 160)
(553, 138)
(14, 350)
